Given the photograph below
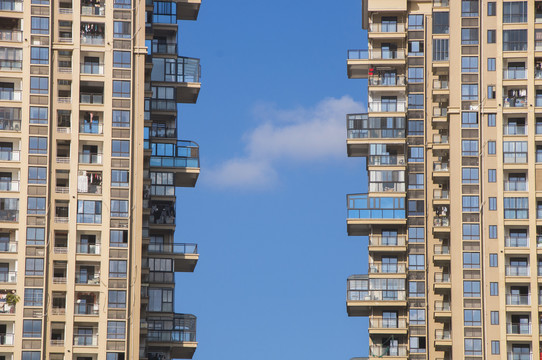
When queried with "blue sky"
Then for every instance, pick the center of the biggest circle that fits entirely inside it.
(269, 208)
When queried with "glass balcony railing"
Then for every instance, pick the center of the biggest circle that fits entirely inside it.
(441, 3)
(8, 247)
(382, 323)
(83, 308)
(382, 106)
(90, 158)
(181, 329)
(516, 241)
(181, 155)
(89, 279)
(379, 240)
(358, 289)
(7, 338)
(11, 65)
(519, 101)
(440, 166)
(85, 340)
(387, 27)
(515, 185)
(442, 306)
(89, 39)
(386, 160)
(387, 186)
(87, 98)
(9, 215)
(88, 248)
(383, 268)
(376, 54)
(441, 221)
(90, 128)
(163, 105)
(441, 249)
(442, 278)
(10, 95)
(514, 74)
(443, 334)
(6, 308)
(440, 85)
(361, 206)
(92, 68)
(518, 328)
(387, 80)
(514, 270)
(163, 132)
(11, 35)
(9, 277)
(519, 356)
(164, 48)
(518, 299)
(383, 351)
(359, 127)
(440, 111)
(441, 194)
(179, 70)
(93, 10)
(510, 129)
(176, 248)
(9, 185)
(10, 125)
(11, 5)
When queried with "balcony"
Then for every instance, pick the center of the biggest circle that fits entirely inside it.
(387, 243)
(441, 253)
(10, 125)
(90, 158)
(86, 278)
(441, 169)
(360, 298)
(185, 255)
(92, 33)
(519, 356)
(183, 72)
(387, 269)
(378, 325)
(518, 328)
(378, 106)
(516, 242)
(442, 281)
(83, 308)
(9, 185)
(443, 338)
(8, 247)
(7, 339)
(442, 309)
(515, 102)
(363, 131)
(92, 98)
(90, 128)
(182, 158)
(7, 94)
(165, 48)
(383, 351)
(87, 248)
(8, 277)
(92, 9)
(514, 74)
(386, 160)
(83, 339)
(516, 185)
(512, 129)
(518, 299)
(441, 196)
(515, 270)
(365, 211)
(387, 30)
(11, 35)
(386, 80)
(359, 61)
(92, 68)
(177, 333)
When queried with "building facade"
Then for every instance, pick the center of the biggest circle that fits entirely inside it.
(452, 140)
(89, 165)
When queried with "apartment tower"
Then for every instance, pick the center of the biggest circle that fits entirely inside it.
(452, 140)
(90, 163)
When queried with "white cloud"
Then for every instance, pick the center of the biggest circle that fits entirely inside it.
(297, 136)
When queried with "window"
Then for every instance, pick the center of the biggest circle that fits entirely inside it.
(491, 91)
(119, 208)
(494, 318)
(415, 127)
(514, 40)
(121, 88)
(415, 181)
(514, 152)
(516, 207)
(34, 267)
(514, 12)
(440, 50)
(491, 8)
(441, 22)
(416, 316)
(122, 4)
(495, 347)
(415, 75)
(161, 300)
(35, 236)
(471, 260)
(492, 231)
(416, 262)
(491, 120)
(117, 299)
(472, 318)
(469, 36)
(36, 205)
(469, 147)
(469, 120)
(117, 268)
(415, 101)
(121, 148)
(469, 8)
(37, 145)
(491, 36)
(416, 235)
(492, 175)
(33, 297)
(491, 147)
(491, 64)
(415, 22)
(89, 212)
(416, 289)
(471, 232)
(114, 356)
(121, 118)
(469, 92)
(415, 154)
(39, 115)
(494, 289)
(471, 288)
(116, 329)
(122, 30)
(31, 355)
(39, 55)
(415, 48)
(469, 63)
(470, 203)
(492, 203)
(39, 85)
(40, 25)
(119, 178)
(121, 59)
(493, 260)
(37, 175)
(469, 175)
(473, 347)
(417, 344)
(118, 238)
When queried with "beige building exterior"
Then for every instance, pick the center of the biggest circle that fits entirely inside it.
(452, 140)
(89, 165)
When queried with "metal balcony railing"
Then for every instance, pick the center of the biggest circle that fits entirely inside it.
(176, 248)
(183, 154)
(358, 127)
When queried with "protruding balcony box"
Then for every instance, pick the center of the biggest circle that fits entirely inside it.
(363, 131)
(441, 169)
(379, 243)
(365, 211)
(181, 158)
(379, 325)
(188, 9)
(442, 309)
(360, 62)
(442, 281)
(441, 253)
(177, 332)
(441, 197)
(443, 338)
(386, 6)
(361, 297)
(183, 72)
(390, 30)
(185, 256)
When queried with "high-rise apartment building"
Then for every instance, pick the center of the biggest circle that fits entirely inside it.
(89, 165)
(452, 139)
